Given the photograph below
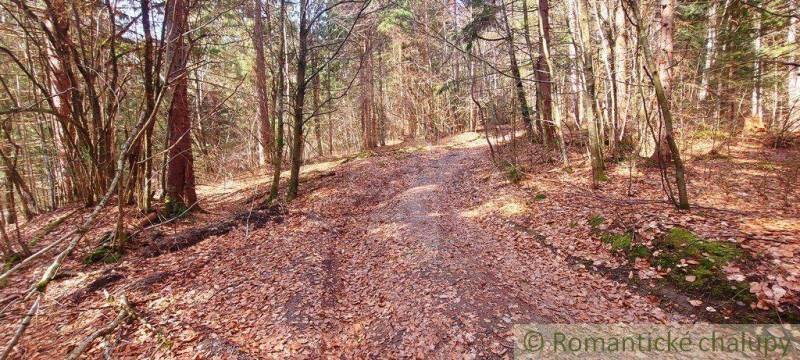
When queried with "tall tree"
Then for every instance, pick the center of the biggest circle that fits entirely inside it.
(519, 87)
(262, 112)
(663, 104)
(180, 182)
(551, 119)
(283, 89)
(592, 110)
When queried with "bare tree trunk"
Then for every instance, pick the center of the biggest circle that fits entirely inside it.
(150, 109)
(550, 114)
(793, 78)
(663, 104)
(366, 97)
(518, 85)
(299, 102)
(317, 118)
(180, 190)
(283, 85)
(574, 73)
(590, 100)
(262, 112)
(756, 120)
(664, 60)
(709, 50)
(619, 75)
(329, 114)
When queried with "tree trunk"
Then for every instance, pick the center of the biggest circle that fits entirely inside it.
(664, 105)
(793, 78)
(756, 120)
(515, 73)
(180, 187)
(150, 109)
(664, 59)
(299, 103)
(262, 112)
(709, 50)
(590, 101)
(317, 118)
(283, 85)
(550, 115)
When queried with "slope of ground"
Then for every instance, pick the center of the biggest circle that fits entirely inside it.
(420, 252)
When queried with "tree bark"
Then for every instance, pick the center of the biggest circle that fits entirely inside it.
(299, 102)
(515, 73)
(283, 85)
(262, 112)
(180, 186)
(664, 105)
(594, 117)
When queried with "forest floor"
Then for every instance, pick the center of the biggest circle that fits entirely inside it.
(426, 251)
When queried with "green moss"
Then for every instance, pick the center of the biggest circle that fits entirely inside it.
(766, 166)
(596, 220)
(710, 134)
(513, 172)
(639, 251)
(174, 208)
(365, 154)
(617, 241)
(8, 263)
(688, 244)
(11, 260)
(702, 261)
(539, 197)
(104, 254)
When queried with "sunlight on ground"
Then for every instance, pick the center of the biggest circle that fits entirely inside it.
(506, 206)
(261, 180)
(624, 170)
(791, 225)
(85, 317)
(64, 288)
(421, 189)
(466, 140)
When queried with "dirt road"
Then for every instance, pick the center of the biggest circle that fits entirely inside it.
(410, 253)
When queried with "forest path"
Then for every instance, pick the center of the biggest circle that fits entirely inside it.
(435, 271)
(410, 269)
(411, 252)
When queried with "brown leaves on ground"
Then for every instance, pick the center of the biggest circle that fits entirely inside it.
(414, 252)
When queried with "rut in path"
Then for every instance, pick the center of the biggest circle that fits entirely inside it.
(442, 270)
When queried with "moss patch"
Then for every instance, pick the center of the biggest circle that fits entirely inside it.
(539, 197)
(11, 260)
(512, 172)
(618, 241)
(174, 208)
(596, 220)
(105, 254)
(696, 264)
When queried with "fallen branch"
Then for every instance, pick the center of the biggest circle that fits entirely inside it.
(123, 314)
(50, 227)
(26, 321)
(76, 235)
